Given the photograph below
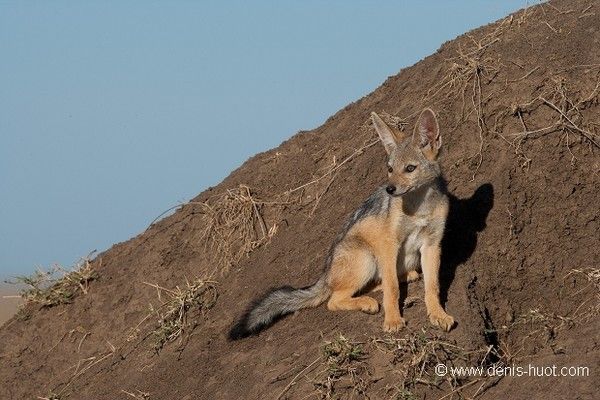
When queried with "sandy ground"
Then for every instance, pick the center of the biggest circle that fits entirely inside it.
(8, 304)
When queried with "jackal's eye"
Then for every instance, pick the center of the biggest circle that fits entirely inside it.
(390, 169)
(410, 168)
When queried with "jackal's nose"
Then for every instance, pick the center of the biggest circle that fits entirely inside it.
(390, 189)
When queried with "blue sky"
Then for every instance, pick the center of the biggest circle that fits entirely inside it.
(113, 111)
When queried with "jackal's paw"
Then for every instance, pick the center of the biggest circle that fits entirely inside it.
(394, 324)
(369, 305)
(410, 276)
(442, 320)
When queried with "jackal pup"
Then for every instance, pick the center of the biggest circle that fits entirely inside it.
(397, 230)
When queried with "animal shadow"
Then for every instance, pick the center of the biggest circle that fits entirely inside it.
(466, 218)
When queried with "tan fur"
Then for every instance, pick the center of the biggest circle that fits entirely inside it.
(386, 245)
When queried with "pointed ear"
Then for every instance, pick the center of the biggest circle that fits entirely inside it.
(386, 134)
(427, 134)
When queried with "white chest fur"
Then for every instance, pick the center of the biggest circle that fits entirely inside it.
(409, 255)
(412, 230)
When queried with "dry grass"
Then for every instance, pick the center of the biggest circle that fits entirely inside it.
(234, 226)
(345, 368)
(328, 177)
(569, 121)
(83, 366)
(175, 313)
(138, 395)
(467, 67)
(56, 285)
(343, 361)
(592, 275)
(417, 354)
(547, 324)
(589, 309)
(51, 396)
(176, 304)
(530, 330)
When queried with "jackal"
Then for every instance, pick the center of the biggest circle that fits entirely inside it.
(397, 231)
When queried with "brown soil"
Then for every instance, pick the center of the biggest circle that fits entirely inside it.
(524, 216)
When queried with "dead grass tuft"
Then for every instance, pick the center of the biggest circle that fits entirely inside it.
(56, 285)
(235, 226)
(199, 295)
(343, 368)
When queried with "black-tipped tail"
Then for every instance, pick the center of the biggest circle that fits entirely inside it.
(275, 305)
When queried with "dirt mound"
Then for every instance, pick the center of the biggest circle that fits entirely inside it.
(518, 107)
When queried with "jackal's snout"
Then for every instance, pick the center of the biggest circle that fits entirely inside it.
(394, 190)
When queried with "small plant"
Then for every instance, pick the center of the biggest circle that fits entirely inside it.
(173, 312)
(40, 288)
(343, 359)
(56, 285)
(404, 394)
(341, 351)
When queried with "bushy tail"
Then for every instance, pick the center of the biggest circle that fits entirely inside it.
(276, 304)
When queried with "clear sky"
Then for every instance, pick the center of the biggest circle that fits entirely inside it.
(113, 111)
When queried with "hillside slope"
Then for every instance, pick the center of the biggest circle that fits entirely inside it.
(518, 107)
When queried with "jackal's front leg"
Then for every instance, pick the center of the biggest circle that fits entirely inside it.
(386, 259)
(430, 263)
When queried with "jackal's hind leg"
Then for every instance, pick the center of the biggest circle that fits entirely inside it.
(343, 300)
(351, 270)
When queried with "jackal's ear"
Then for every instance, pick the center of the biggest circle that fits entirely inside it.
(388, 136)
(427, 134)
